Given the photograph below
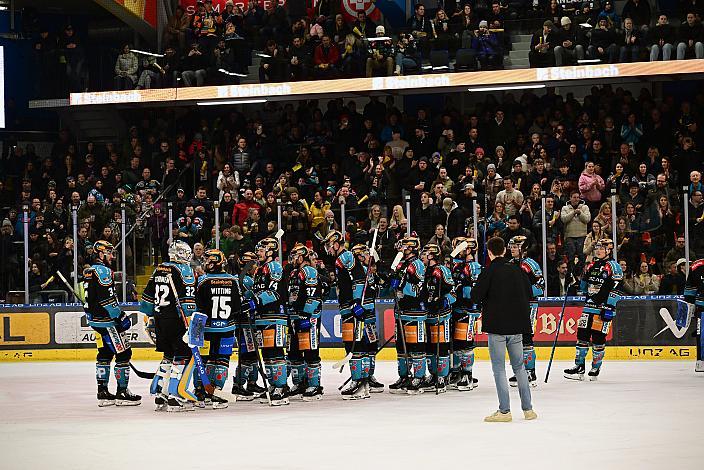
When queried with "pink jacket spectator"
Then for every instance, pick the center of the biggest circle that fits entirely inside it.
(588, 189)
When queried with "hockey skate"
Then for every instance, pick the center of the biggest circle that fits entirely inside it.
(532, 379)
(699, 366)
(415, 387)
(201, 399)
(399, 386)
(428, 383)
(279, 396)
(313, 393)
(176, 404)
(297, 390)
(452, 379)
(594, 374)
(242, 393)
(465, 383)
(374, 385)
(356, 390)
(126, 398)
(441, 385)
(575, 373)
(105, 398)
(256, 389)
(160, 402)
(217, 402)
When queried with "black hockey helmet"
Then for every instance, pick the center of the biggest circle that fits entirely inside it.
(214, 261)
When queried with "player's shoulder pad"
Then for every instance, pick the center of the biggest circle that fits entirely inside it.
(417, 267)
(311, 275)
(247, 281)
(103, 274)
(202, 278)
(615, 270)
(698, 264)
(475, 268)
(276, 271)
(346, 260)
(446, 274)
(532, 264)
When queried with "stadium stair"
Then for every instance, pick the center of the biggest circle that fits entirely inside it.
(142, 279)
(98, 125)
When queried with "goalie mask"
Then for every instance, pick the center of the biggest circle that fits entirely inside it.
(180, 252)
(214, 261)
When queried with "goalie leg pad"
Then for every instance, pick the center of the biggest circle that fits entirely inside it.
(177, 367)
(158, 380)
(313, 374)
(581, 353)
(276, 371)
(598, 351)
(529, 357)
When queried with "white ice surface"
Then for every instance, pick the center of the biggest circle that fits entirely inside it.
(639, 415)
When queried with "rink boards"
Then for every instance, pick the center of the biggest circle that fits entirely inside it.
(644, 328)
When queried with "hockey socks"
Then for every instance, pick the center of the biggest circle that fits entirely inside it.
(102, 373)
(356, 368)
(581, 353)
(276, 371)
(529, 357)
(313, 374)
(217, 374)
(366, 366)
(372, 364)
(298, 373)
(418, 366)
(402, 364)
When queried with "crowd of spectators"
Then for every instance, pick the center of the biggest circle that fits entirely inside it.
(314, 158)
(215, 47)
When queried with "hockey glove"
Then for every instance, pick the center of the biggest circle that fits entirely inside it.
(607, 315)
(395, 282)
(123, 322)
(446, 303)
(358, 311)
(150, 328)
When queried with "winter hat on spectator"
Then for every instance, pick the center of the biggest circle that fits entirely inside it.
(565, 21)
(549, 24)
(679, 263)
(491, 166)
(423, 159)
(7, 223)
(483, 23)
(380, 29)
(500, 147)
(229, 2)
(447, 203)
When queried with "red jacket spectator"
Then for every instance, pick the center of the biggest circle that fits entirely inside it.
(241, 211)
(326, 53)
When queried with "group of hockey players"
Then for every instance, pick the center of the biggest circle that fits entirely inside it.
(271, 315)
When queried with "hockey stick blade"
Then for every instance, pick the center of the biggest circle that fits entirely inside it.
(461, 247)
(141, 374)
(341, 363)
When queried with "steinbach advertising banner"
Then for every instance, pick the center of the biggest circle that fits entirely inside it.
(645, 326)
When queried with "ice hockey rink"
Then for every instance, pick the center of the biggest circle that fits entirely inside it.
(639, 415)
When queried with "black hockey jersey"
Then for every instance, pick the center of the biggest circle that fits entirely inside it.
(100, 304)
(158, 298)
(218, 297)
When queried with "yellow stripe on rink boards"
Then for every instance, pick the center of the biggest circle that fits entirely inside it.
(562, 353)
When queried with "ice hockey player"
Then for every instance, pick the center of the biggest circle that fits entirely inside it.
(110, 323)
(244, 384)
(531, 268)
(271, 318)
(350, 274)
(694, 296)
(440, 288)
(305, 298)
(465, 272)
(408, 281)
(165, 310)
(600, 284)
(218, 297)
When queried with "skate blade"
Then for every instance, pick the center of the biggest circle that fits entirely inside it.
(579, 377)
(397, 391)
(533, 384)
(441, 390)
(593, 378)
(414, 392)
(179, 409)
(280, 402)
(313, 398)
(220, 406)
(513, 384)
(376, 390)
(104, 403)
(127, 403)
(352, 397)
(246, 398)
(160, 407)
(465, 388)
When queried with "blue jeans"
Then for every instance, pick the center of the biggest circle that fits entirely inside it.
(498, 344)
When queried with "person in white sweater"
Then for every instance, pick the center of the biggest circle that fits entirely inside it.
(575, 216)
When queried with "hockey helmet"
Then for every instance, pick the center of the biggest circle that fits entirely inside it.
(298, 250)
(606, 243)
(472, 245)
(214, 261)
(269, 245)
(248, 257)
(102, 246)
(360, 249)
(180, 252)
(432, 251)
(457, 241)
(408, 243)
(332, 237)
(517, 241)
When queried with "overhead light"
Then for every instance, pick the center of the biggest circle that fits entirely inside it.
(226, 102)
(508, 87)
(137, 51)
(232, 74)
(589, 61)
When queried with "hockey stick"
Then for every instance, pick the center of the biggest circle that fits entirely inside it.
(138, 373)
(195, 351)
(557, 333)
(260, 362)
(341, 363)
(375, 353)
